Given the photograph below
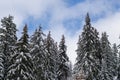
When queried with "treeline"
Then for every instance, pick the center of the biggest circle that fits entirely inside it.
(39, 57)
(96, 58)
(36, 57)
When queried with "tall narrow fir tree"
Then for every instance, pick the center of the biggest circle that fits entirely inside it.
(22, 67)
(89, 55)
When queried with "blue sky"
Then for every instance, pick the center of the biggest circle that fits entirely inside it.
(65, 17)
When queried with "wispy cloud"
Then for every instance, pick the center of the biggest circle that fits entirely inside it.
(110, 24)
(58, 15)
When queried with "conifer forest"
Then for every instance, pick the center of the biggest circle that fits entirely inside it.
(40, 57)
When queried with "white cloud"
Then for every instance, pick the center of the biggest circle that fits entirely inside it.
(22, 9)
(111, 25)
(95, 8)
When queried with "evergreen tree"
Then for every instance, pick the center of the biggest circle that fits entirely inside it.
(115, 59)
(8, 41)
(2, 45)
(51, 57)
(38, 53)
(80, 55)
(107, 60)
(22, 66)
(118, 66)
(64, 67)
(89, 52)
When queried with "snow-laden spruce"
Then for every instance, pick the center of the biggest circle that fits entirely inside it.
(64, 68)
(51, 52)
(42, 59)
(115, 59)
(22, 66)
(2, 45)
(8, 40)
(107, 59)
(88, 53)
(37, 51)
(118, 65)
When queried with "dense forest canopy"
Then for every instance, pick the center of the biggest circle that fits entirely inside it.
(40, 57)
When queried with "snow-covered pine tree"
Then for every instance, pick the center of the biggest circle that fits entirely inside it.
(115, 59)
(9, 31)
(107, 59)
(2, 45)
(118, 66)
(22, 66)
(80, 55)
(89, 52)
(51, 52)
(38, 53)
(64, 66)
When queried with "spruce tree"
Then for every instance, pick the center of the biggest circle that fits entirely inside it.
(118, 65)
(64, 68)
(115, 59)
(2, 57)
(38, 53)
(107, 60)
(51, 57)
(80, 55)
(89, 52)
(8, 29)
(22, 66)
(118, 68)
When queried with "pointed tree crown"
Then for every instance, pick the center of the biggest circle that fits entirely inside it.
(40, 31)
(40, 28)
(63, 39)
(62, 43)
(49, 35)
(25, 36)
(25, 29)
(87, 19)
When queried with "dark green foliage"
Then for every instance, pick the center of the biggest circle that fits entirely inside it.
(2, 45)
(114, 59)
(118, 65)
(8, 39)
(22, 67)
(64, 66)
(38, 53)
(89, 52)
(51, 57)
(42, 59)
(107, 60)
